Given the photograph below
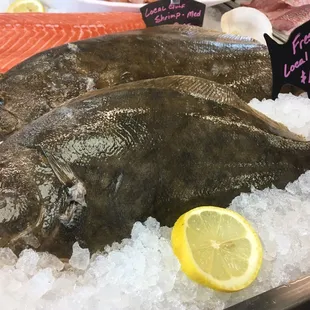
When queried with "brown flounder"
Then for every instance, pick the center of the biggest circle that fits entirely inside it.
(46, 80)
(90, 168)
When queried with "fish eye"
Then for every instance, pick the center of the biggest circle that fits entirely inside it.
(1, 101)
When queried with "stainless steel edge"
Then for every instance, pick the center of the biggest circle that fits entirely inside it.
(295, 295)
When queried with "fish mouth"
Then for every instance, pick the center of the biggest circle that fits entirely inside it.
(8, 123)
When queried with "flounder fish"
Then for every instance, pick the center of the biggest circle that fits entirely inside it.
(46, 80)
(89, 169)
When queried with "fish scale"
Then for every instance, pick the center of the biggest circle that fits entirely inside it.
(178, 148)
(130, 56)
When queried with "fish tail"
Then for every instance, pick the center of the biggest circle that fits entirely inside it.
(277, 80)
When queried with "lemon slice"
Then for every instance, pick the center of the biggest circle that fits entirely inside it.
(20, 6)
(217, 248)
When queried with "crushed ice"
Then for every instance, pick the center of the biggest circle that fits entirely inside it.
(143, 273)
(295, 115)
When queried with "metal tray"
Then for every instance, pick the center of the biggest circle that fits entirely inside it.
(292, 296)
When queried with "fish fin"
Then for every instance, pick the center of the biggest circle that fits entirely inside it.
(76, 206)
(116, 183)
(75, 190)
(126, 77)
(73, 215)
(61, 169)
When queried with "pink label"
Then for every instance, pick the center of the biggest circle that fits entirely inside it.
(299, 43)
(177, 15)
(290, 68)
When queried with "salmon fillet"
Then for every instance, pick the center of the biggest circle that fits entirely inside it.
(25, 34)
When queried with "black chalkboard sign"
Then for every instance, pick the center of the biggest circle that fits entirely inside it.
(291, 61)
(166, 12)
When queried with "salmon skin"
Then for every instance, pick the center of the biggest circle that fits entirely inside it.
(48, 79)
(25, 34)
(89, 169)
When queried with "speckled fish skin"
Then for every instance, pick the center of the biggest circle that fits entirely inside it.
(139, 152)
(46, 80)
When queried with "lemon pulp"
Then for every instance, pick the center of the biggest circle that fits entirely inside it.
(217, 248)
(21, 6)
